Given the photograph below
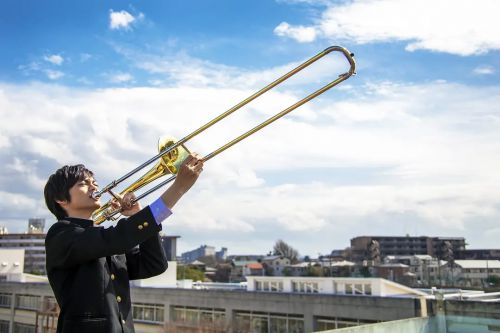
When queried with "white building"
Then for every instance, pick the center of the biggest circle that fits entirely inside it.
(12, 267)
(329, 285)
(474, 272)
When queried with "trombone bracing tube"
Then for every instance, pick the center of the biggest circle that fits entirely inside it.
(342, 77)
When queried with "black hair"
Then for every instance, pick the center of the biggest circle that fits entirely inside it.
(58, 185)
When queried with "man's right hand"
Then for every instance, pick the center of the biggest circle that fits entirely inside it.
(189, 172)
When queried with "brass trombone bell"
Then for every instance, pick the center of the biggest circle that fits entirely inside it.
(172, 153)
(168, 164)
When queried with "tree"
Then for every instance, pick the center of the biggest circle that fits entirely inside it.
(365, 272)
(313, 271)
(184, 272)
(223, 273)
(493, 280)
(283, 249)
(373, 250)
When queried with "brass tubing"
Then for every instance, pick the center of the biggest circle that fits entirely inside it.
(342, 77)
(147, 179)
(286, 76)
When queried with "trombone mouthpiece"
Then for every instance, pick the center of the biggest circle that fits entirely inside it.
(95, 195)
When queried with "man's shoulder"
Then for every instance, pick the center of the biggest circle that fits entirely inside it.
(59, 226)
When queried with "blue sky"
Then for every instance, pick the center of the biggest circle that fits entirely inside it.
(410, 145)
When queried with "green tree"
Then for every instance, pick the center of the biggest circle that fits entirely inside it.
(365, 272)
(313, 271)
(493, 280)
(184, 272)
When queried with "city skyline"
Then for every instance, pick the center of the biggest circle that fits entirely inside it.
(410, 145)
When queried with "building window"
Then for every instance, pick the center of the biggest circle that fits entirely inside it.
(358, 289)
(261, 322)
(148, 312)
(276, 286)
(305, 287)
(331, 323)
(348, 288)
(368, 289)
(5, 300)
(198, 317)
(4, 326)
(24, 328)
(28, 302)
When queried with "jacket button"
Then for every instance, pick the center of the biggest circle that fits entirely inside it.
(118, 299)
(139, 227)
(123, 321)
(145, 224)
(112, 276)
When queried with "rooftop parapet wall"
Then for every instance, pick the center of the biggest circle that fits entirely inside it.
(472, 309)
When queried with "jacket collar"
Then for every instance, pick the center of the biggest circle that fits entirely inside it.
(84, 223)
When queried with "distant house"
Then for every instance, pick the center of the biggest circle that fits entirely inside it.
(255, 269)
(275, 265)
(473, 273)
(238, 269)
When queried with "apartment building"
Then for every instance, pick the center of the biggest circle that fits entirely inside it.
(363, 247)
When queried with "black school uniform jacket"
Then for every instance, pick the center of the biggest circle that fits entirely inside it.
(89, 269)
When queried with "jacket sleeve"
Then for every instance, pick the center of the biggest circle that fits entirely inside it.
(68, 244)
(147, 260)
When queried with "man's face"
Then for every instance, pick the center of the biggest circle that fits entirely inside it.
(81, 197)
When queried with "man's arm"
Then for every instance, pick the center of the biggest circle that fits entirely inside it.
(68, 244)
(146, 260)
(149, 258)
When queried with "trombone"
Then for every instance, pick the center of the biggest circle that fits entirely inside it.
(173, 152)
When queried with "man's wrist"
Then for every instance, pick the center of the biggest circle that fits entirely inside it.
(160, 210)
(178, 189)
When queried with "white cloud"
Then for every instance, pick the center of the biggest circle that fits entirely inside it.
(435, 161)
(180, 69)
(457, 27)
(53, 75)
(121, 78)
(55, 59)
(122, 19)
(484, 70)
(299, 33)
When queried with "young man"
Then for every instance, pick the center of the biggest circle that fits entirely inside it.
(89, 267)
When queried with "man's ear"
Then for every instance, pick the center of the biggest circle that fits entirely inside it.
(62, 203)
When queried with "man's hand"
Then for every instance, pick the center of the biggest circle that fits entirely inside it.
(124, 203)
(188, 172)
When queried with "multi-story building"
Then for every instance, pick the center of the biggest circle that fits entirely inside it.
(36, 225)
(439, 247)
(479, 254)
(170, 246)
(472, 273)
(269, 305)
(34, 249)
(222, 254)
(204, 251)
